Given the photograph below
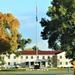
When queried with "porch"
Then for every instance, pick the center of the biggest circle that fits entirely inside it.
(34, 64)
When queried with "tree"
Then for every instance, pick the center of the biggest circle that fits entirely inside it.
(8, 33)
(22, 42)
(35, 48)
(17, 54)
(60, 28)
(2, 62)
(57, 47)
(54, 61)
(4, 45)
(29, 49)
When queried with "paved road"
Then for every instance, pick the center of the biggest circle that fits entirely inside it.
(27, 74)
(65, 73)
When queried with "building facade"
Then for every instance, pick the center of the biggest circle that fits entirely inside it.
(29, 59)
(63, 61)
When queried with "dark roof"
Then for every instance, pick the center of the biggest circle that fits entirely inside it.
(40, 52)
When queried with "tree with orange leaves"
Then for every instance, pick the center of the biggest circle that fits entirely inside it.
(8, 33)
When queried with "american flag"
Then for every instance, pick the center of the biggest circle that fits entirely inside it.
(36, 13)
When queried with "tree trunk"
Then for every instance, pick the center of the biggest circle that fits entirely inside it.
(74, 71)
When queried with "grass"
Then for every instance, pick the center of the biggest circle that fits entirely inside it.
(23, 71)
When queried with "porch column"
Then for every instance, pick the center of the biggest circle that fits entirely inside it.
(40, 64)
(46, 64)
(29, 64)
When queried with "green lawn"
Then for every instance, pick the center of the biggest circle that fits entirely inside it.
(23, 71)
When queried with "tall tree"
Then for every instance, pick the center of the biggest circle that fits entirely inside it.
(60, 28)
(22, 42)
(8, 33)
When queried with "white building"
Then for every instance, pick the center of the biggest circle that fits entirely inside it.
(63, 62)
(29, 59)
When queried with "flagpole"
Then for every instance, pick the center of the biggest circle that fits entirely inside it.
(36, 42)
(36, 31)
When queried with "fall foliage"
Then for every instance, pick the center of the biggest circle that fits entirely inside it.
(8, 32)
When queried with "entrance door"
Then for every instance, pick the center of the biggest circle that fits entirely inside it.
(43, 64)
(37, 65)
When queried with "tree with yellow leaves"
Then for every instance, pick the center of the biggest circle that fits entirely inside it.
(8, 33)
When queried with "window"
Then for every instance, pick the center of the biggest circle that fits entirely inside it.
(26, 57)
(21, 57)
(43, 57)
(8, 63)
(48, 57)
(60, 63)
(9, 57)
(37, 57)
(14, 57)
(31, 57)
(14, 63)
(60, 57)
(66, 63)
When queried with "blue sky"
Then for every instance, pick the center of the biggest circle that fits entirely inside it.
(25, 12)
